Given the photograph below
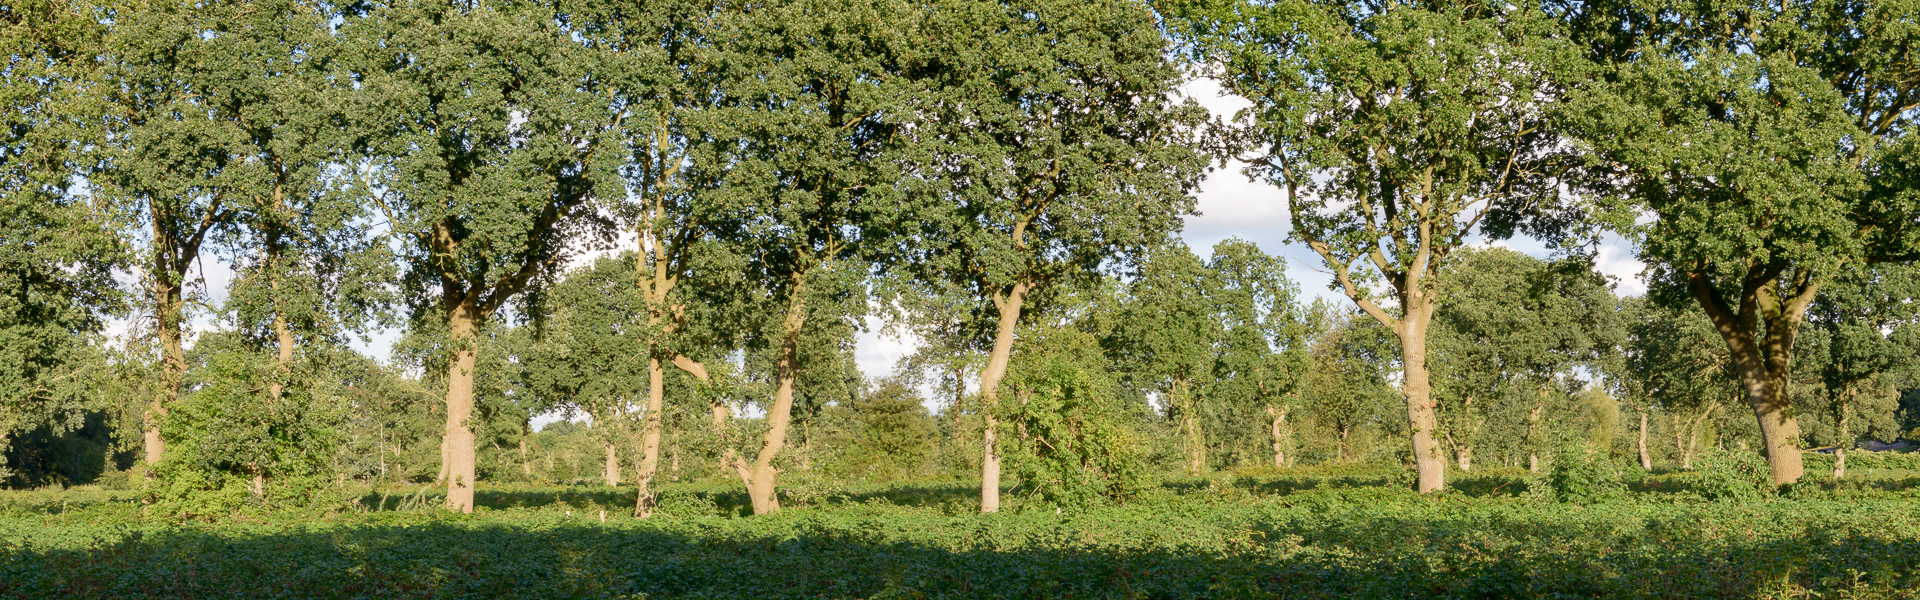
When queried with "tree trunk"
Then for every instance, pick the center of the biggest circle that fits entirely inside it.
(1340, 444)
(1279, 449)
(1533, 432)
(1646, 460)
(173, 363)
(1421, 419)
(1846, 441)
(650, 439)
(526, 467)
(1465, 456)
(760, 477)
(458, 460)
(996, 369)
(610, 471)
(1195, 440)
(1760, 334)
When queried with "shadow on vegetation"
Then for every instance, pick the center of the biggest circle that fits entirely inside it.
(811, 554)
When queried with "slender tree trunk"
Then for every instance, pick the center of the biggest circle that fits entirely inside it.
(610, 469)
(1533, 432)
(1421, 419)
(1646, 460)
(282, 332)
(1464, 455)
(650, 439)
(760, 477)
(1279, 448)
(1340, 444)
(996, 370)
(458, 463)
(1195, 440)
(1846, 441)
(526, 467)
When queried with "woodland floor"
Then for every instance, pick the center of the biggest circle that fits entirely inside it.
(1279, 534)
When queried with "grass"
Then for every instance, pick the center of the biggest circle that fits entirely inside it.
(1267, 534)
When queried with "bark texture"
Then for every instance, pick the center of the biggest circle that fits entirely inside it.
(1759, 331)
(990, 378)
(457, 449)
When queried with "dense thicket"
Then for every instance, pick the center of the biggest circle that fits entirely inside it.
(669, 222)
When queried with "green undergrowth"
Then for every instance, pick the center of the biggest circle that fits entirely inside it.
(1299, 534)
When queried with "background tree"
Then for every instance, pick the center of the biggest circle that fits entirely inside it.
(1055, 147)
(1684, 368)
(484, 128)
(1861, 344)
(1758, 134)
(1170, 335)
(1397, 132)
(1347, 386)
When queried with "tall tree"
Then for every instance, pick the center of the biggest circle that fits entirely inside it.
(58, 252)
(484, 126)
(808, 138)
(658, 65)
(1397, 131)
(1056, 148)
(1766, 140)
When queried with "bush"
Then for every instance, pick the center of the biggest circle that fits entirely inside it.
(1065, 432)
(1731, 476)
(1582, 474)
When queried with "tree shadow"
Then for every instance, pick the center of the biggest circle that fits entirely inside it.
(815, 555)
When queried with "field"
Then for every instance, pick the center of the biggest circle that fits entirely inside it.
(1275, 534)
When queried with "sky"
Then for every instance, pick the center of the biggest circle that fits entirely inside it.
(1229, 206)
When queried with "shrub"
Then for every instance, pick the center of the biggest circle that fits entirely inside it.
(1582, 474)
(1731, 476)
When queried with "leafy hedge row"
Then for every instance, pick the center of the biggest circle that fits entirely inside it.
(1822, 464)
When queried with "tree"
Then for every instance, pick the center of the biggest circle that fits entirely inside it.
(483, 129)
(1346, 387)
(1862, 342)
(1170, 332)
(1508, 323)
(659, 65)
(162, 155)
(1765, 139)
(1261, 361)
(1683, 368)
(808, 138)
(1397, 132)
(1217, 341)
(1054, 146)
(59, 251)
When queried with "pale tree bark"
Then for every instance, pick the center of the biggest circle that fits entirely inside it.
(990, 377)
(1278, 431)
(1693, 435)
(1846, 439)
(1760, 334)
(1194, 439)
(610, 469)
(1411, 328)
(1646, 460)
(1533, 434)
(760, 475)
(650, 440)
(458, 460)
